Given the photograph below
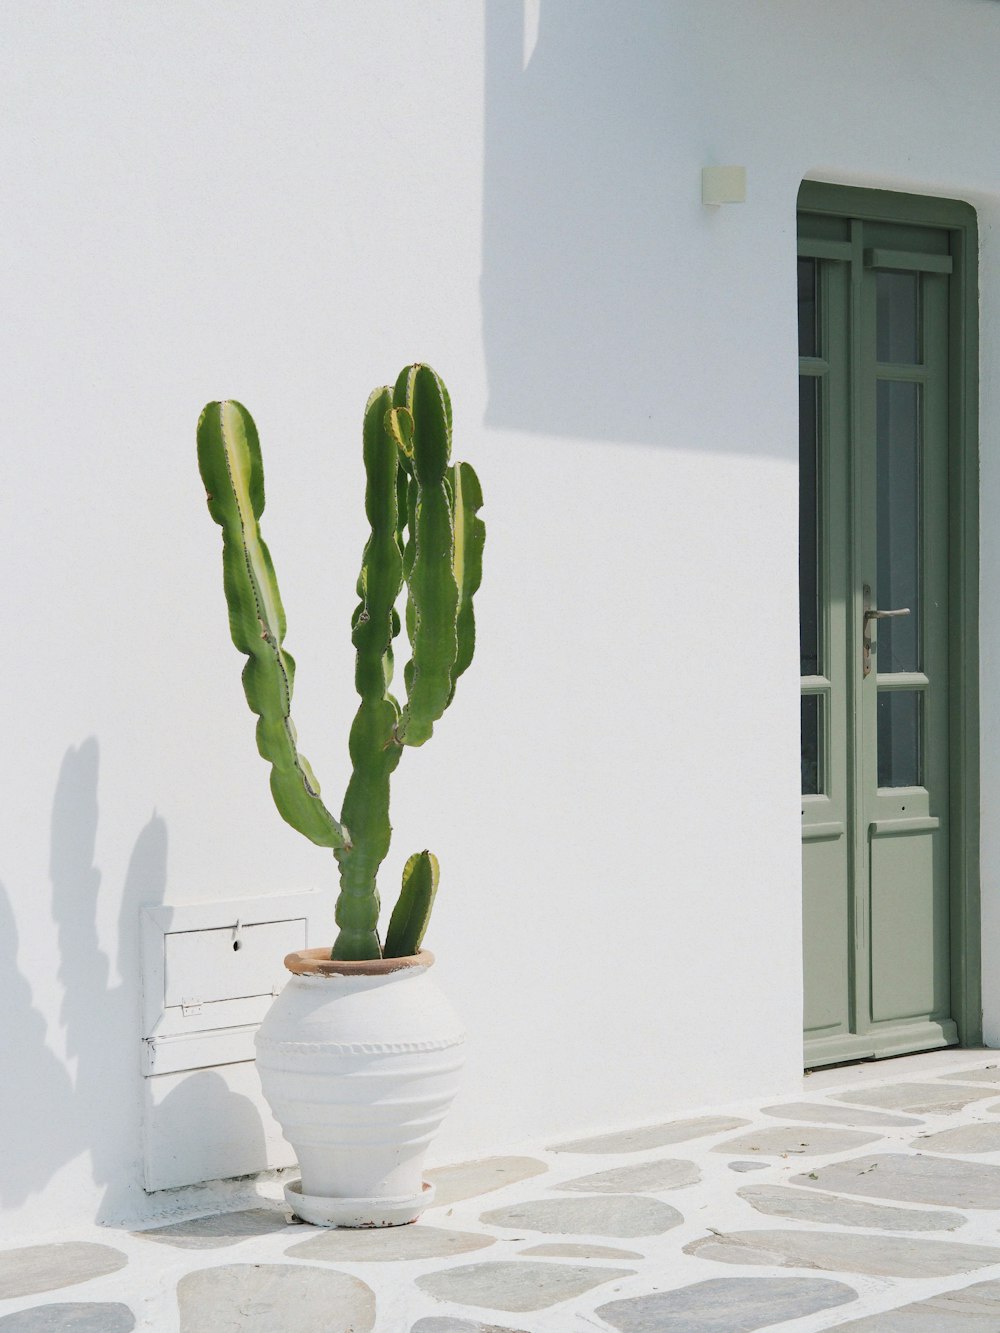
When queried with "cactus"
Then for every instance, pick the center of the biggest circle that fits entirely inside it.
(425, 536)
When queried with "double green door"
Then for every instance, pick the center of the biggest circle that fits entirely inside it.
(877, 414)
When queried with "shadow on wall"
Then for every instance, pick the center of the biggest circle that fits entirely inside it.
(36, 1125)
(96, 1108)
(101, 1020)
(578, 270)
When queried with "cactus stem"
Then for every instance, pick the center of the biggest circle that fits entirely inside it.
(425, 537)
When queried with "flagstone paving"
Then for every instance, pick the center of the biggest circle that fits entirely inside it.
(974, 1309)
(624, 1215)
(467, 1180)
(519, 1285)
(963, 1139)
(883, 1256)
(646, 1177)
(991, 1074)
(807, 1206)
(779, 1140)
(221, 1229)
(915, 1179)
(651, 1136)
(71, 1317)
(826, 1114)
(444, 1324)
(48, 1267)
(917, 1097)
(900, 1237)
(265, 1298)
(563, 1251)
(721, 1306)
(397, 1243)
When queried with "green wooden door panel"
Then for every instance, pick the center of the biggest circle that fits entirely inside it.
(888, 700)
(825, 933)
(909, 927)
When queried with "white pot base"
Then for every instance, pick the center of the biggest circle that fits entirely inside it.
(333, 1212)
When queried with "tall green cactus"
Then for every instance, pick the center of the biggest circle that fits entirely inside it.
(425, 535)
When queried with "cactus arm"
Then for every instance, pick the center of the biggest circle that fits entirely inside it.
(408, 923)
(374, 752)
(231, 467)
(470, 537)
(421, 421)
(403, 534)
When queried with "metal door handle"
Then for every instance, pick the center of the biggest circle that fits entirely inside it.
(866, 638)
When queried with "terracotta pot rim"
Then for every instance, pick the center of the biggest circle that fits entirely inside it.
(318, 963)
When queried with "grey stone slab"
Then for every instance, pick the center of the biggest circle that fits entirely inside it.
(964, 1139)
(910, 1179)
(71, 1317)
(748, 1166)
(262, 1298)
(878, 1256)
(822, 1113)
(467, 1180)
(219, 1230)
(991, 1074)
(516, 1285)
(389, 1243)
(666, 1173)
(445, 1324)
(623, 1215)
(652, 1136)
(35, 1268)
(974, 1309)
(726, 1305)
(566, 1250)
(797, 1140)
(934, 1098)
(811, 1206)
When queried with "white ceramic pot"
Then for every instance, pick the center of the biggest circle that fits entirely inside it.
(359, 1063)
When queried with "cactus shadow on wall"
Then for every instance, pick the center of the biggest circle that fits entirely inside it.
(101, 1019)
(37, 1128)
(101, 1110)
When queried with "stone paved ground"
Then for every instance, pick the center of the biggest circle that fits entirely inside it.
(869, 1203)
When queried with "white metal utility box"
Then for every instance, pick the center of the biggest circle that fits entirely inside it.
(209, 973)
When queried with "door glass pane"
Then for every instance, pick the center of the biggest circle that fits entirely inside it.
(898, 518)
(897, 317)
(812, 745)
(900, 740)
(809, 456)
(808, 339)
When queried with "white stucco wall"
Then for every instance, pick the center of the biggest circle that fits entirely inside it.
(285, 204)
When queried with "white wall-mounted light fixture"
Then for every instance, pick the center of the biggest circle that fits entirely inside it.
(723, 185)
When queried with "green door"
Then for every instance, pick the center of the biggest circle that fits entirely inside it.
(880, 696)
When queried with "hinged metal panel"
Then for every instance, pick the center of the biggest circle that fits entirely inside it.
(211, 970)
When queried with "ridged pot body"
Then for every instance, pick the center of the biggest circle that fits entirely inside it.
(359, 1071)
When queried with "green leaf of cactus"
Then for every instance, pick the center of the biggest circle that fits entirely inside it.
(374, 751)
(408, 923)
(231, 467)
(433, 590)
(470, 538)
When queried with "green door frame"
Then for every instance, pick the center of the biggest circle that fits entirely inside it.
(963, 546)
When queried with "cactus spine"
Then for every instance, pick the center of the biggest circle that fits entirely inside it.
(426, 535)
